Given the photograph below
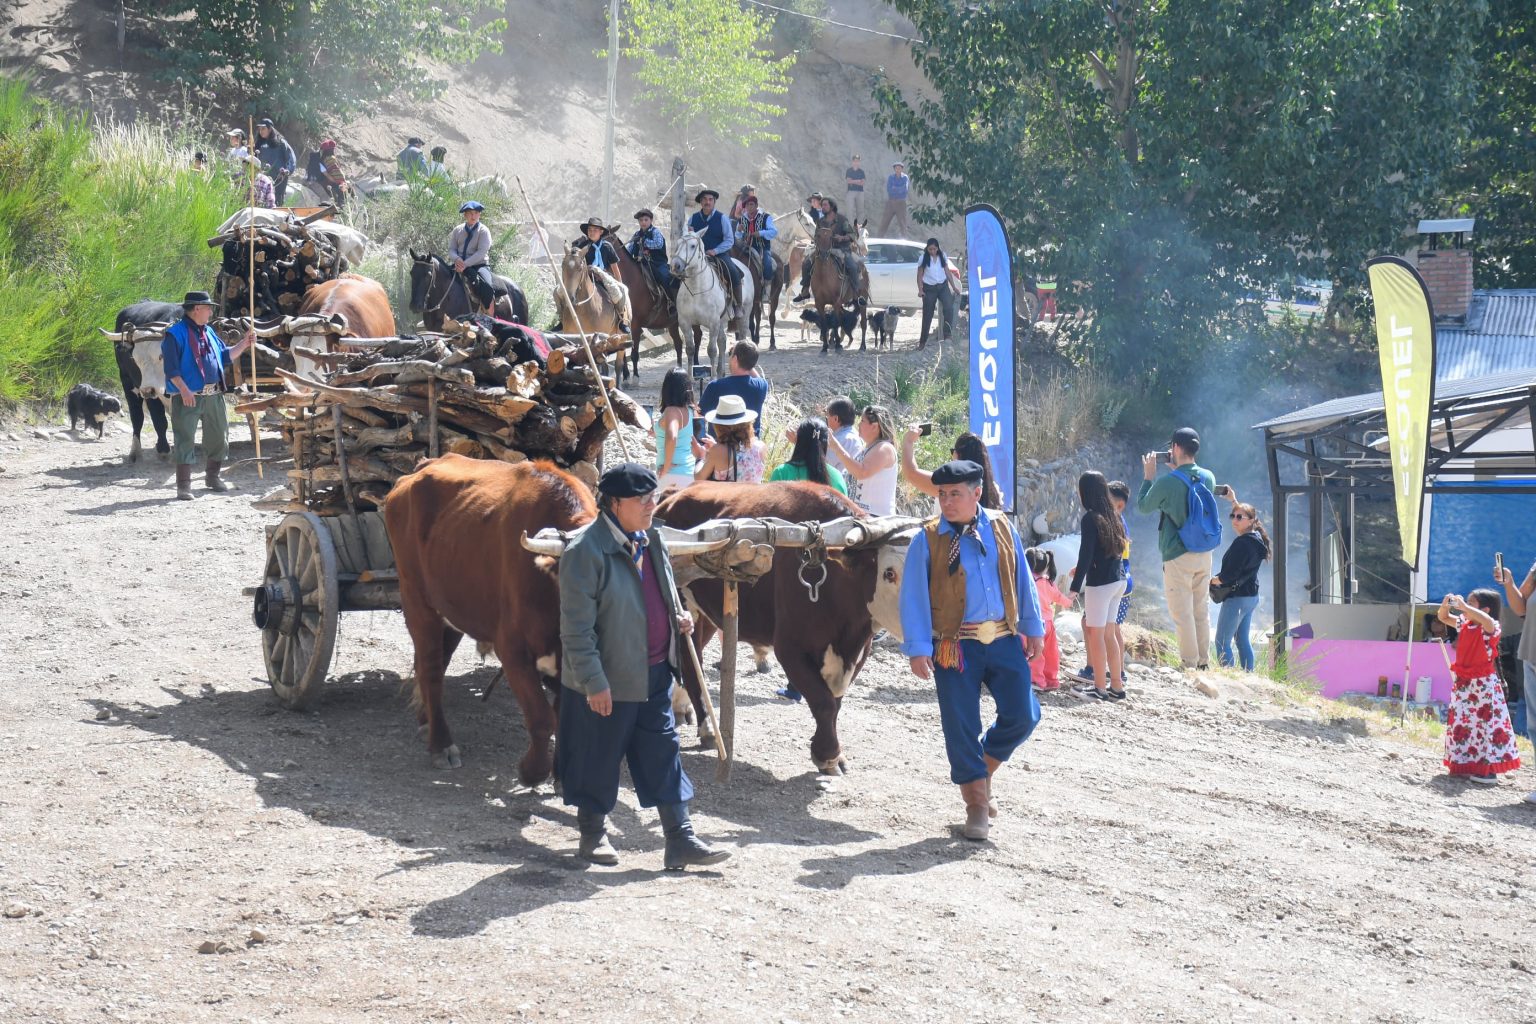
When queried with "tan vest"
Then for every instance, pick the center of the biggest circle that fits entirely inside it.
(946, 590)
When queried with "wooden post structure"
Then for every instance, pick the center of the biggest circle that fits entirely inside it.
(728, 635)
(432, 447)
(250, 282)
(679, 199)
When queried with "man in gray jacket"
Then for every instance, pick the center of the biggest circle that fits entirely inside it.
(618, 601)
(470, 249)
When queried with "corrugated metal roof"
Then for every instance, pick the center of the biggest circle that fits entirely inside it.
(1499, 336)
(1502, 311)
(1338, 409)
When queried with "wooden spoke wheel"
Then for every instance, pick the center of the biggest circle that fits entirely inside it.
(296, 608)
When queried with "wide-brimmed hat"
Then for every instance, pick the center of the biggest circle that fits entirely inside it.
(196, 299)
(644, 213)
(593, 222)
(706, 192)
(470, 205)
(731, 411)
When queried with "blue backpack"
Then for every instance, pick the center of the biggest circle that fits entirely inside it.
(1201, 530)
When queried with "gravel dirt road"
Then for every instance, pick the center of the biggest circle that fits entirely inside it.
(1177, 857)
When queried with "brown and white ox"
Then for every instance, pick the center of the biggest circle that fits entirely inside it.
(821, 644)
(456, 525)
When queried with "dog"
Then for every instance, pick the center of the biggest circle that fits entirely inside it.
(884, 322)
(91, 405)
(809, 321)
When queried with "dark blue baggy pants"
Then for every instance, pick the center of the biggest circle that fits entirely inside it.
(591, 747)
(1004, 669)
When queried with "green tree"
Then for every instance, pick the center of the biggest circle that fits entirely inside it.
(705, 63)
(1496, 182)
(1182, 157)
(308, 60)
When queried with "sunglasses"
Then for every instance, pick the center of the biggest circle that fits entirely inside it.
(1240, 515)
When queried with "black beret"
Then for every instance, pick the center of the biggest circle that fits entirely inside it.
(960, 471)
(628, 480)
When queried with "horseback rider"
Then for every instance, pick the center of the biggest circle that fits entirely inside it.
(841, 250)
(719, 239)
(470, 247)
(758, 229)
(648, 246)
(599, 251)
(601, 256)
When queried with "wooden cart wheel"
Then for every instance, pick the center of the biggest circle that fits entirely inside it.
(297, 607)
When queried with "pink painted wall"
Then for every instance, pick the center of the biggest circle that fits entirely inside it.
(1344, 666)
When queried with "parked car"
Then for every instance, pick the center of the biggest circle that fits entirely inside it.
(892, 265)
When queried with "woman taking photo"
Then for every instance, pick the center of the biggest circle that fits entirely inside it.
(735, 454)
(968, 447)
(808, 461)
(1100, 578)
(676, 448)
(1240, 572)
(875, 467)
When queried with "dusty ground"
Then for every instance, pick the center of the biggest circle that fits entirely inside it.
(1176, 857)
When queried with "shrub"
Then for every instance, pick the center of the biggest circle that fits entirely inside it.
(93, 216)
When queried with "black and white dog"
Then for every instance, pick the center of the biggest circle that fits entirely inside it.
(884, 322)
(91, 405)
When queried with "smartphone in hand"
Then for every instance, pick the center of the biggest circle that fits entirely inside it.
(1222, 490)
(924, 429)
(1163, 458)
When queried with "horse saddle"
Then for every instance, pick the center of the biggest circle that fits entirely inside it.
(466, 278)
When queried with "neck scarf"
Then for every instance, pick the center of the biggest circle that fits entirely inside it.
(960, 533)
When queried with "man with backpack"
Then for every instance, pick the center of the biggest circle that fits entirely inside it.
(1188, 530)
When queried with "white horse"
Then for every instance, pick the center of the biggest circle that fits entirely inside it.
(703, 302)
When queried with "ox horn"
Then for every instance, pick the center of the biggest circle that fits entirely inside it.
(548, 542)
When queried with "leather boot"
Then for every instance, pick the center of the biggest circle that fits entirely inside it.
(211, 477)
(683, 847)
(183, 482)
(992, 766)
(595, 846)
(977, 824)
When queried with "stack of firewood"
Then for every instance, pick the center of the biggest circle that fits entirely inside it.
(288, 257)
(371, 416)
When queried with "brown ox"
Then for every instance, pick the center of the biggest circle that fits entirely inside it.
(456, 526)
(361, 300)
(822, 644)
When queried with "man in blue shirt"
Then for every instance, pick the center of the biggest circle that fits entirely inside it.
(649, 248)
(719, 238)
(897, 187)
(742, 381)
(194, 357)
(970, 617)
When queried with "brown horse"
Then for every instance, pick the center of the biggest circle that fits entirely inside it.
(653, 311)
(361, 300)
(832, 292)
(594, 312)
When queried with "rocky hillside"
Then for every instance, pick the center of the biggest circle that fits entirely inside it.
(535, 110)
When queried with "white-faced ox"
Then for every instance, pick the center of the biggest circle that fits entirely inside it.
(142, 372)
(820, 644)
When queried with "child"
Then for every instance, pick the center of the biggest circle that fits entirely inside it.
(1046, 669)
(1479, 740)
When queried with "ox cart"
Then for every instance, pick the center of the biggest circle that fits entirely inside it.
(372, 408)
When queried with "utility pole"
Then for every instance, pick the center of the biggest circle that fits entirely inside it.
(613, 73)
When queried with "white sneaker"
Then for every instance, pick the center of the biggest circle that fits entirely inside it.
(1484, 780)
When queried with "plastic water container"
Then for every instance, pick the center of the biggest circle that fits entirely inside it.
(1421, 689)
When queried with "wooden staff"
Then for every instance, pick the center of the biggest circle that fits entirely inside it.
(250, 284)
(586, 343)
